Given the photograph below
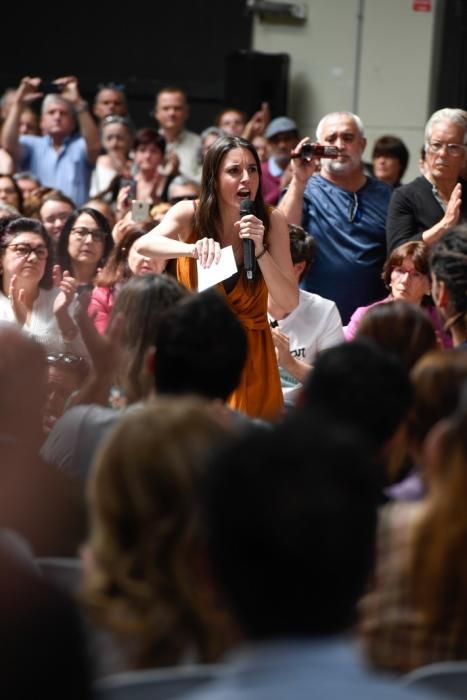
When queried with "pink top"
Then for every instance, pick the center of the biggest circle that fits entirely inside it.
(351, 329)
(100, 306)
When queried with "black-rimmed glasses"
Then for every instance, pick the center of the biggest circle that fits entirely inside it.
(81, 232)
(24, 250)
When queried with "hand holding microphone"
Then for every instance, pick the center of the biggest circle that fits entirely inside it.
(252, 233)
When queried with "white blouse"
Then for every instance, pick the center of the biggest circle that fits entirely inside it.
(43, 325)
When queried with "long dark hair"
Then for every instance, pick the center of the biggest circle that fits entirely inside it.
(207, 218)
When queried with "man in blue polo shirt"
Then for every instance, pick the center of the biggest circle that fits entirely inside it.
(345, 211)
(61, 158)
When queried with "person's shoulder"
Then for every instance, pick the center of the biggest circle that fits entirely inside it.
(317, 182)
(187, 136)
(374, 187)
(183, 211)
(418, 184)
(316, 302)
(36, 145)
(71, 444)
(32, 139)
(76, 142)
(102, 294)
(315, 299)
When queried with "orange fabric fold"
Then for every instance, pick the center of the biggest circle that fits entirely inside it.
(259, 393)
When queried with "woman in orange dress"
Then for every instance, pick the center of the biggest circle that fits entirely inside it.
(232, 173)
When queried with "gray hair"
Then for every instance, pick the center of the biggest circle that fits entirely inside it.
(26, 175)
(58, 99)
(181, 181)
(447, 114)
(354, 117)
(216, 130)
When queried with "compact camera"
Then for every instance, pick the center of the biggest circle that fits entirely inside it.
(315, 150)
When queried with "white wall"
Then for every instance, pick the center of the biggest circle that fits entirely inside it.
(388, 87)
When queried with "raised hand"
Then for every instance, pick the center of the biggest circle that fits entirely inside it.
(251, 227)
(171, 165)
(282, 345)
(302, 169)
(17, 299)
(67, 285)
(452, 213)
(69, 88)
(29, 89)
(258, 122)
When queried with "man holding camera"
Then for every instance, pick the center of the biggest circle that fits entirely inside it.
(344, 210)
(60, 158)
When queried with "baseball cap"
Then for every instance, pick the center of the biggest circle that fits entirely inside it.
(279, 125)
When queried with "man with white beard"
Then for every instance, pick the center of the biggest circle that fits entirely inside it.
(345, 211)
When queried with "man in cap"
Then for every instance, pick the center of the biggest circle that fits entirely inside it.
(282, 136)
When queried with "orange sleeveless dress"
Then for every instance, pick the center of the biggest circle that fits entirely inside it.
(259, 393)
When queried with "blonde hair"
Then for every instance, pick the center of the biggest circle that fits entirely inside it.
(143, 584)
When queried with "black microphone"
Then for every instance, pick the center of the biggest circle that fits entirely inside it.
(249, 260)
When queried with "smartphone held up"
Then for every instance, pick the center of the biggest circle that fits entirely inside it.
(139, 210)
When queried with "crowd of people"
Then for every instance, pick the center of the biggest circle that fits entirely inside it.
(234, 394)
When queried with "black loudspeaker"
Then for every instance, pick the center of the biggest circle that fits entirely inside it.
(252, 77)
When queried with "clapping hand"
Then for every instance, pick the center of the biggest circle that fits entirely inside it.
(282, 345)
(67, 285)
(17, 299)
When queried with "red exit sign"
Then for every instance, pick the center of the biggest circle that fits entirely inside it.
(421, 5)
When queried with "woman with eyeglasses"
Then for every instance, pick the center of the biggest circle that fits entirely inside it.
(84, 244)
(27, 295)
(407, 276)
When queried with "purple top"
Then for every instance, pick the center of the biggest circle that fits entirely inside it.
(351, 329)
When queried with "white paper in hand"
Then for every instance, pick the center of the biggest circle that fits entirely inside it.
(225, 268)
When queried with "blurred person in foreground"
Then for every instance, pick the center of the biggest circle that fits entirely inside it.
(290, 520)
